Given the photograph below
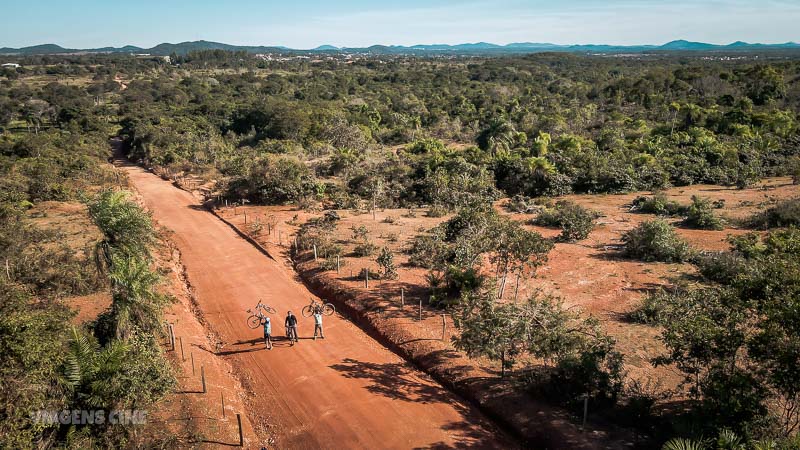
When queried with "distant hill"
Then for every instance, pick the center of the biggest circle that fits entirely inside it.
(324, 48)
(183, 48)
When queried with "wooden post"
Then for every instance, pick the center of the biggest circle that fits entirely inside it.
(402, 298)
(315, 252)
(222, 396)
(245, 217)
(183, 356)
(203, 377)
(420, 309)
(296, 248)
(191, 355)
(172, 337)
(585, 409)
(241, 436)
(444, 326)
(337, 264)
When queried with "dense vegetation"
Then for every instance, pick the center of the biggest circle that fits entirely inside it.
(48, 361)
(454, 134)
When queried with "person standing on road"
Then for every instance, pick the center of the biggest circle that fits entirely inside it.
(291, 327)
(318, 325)
(267, 332)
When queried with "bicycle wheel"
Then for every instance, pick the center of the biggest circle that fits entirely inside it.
(270, 310)
(253, 321)
(307, 311)
(328, 309)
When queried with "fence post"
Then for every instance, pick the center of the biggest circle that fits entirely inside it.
(203, 377)
(245, 217)
(402, 298)
(241, 436)
(222, 396)
(315, 252)
(172, 337)
(183, 356)
(444, 326)
(585, 410)
(191, 355)
(420, 309)
(337, 264)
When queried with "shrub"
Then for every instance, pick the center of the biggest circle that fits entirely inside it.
(386, 261)
(364, 247)
(428, 250)
(721, 267)
(700, 215)
(575, 221)
(522, 204)
(329, 263)
(655, 241)
(783, 214)
(654, 307)
(319, 232)
(437, 210)
(657, 204)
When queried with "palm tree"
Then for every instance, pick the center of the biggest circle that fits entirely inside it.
(90, 371)
(135, 301)
(683, 444)
(498, 137)
(539, 167)
(541, 144)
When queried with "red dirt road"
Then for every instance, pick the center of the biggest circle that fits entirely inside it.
(346, 391)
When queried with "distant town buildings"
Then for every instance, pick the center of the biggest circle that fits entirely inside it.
(10, 65)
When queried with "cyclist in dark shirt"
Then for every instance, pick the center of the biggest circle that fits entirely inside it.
(291, 327)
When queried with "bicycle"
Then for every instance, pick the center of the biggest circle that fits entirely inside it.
(255, 319)
(314, 307)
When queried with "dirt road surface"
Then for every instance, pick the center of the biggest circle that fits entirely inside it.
(346, 391)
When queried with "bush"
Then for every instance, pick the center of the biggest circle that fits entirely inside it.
(783, 214)
(522, 204)
(428, 250)
(575, 221)
(657, 204)
(700, 215)
(721, 267)
(654, 307)
(596, 371)
(386, 261)
(655, 241)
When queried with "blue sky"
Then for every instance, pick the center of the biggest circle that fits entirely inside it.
(309, 23)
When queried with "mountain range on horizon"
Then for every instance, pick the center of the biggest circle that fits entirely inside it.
(183, 48)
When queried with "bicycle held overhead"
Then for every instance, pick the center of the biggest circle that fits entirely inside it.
(256, 318)
(318, 307)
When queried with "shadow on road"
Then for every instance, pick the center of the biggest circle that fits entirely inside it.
(393, 380)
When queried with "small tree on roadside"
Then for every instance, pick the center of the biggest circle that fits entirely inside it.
(386, 261)
(489, 329)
